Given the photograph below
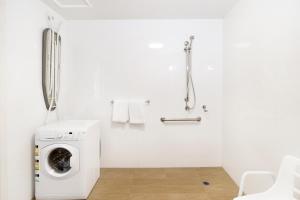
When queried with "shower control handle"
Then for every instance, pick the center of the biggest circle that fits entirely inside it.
(205, 108)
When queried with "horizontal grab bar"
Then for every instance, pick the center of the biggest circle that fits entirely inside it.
(146, 101)
(197, 119)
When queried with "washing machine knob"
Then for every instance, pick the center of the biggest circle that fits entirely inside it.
(60, 136)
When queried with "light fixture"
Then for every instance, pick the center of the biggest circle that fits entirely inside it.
(73, 3)
(210, 68)
(155, 45)
(171, 68)
(242, 45)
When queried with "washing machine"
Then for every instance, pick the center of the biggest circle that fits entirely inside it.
(67, 160)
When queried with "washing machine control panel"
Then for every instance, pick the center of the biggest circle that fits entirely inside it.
(70, 135)
(62, 135)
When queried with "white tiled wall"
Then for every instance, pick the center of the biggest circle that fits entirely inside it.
(112, 59)
(2, 101)
(261, 84)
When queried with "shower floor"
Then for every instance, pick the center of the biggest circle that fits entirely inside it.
(164, 184)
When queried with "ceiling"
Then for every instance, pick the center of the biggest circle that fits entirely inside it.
(145, 9)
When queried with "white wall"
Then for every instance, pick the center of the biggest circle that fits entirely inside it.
(111, 59)
(23, 92)
(2, 101)
(261, 84)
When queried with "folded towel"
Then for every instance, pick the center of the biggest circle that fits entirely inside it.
(120, 111)
(137, 112)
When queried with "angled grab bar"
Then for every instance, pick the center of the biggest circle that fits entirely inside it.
(197, 119)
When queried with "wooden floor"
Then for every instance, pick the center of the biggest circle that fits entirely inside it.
(164, 184)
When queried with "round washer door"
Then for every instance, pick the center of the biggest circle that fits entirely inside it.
(59, 160)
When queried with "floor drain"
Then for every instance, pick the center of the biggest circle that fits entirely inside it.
(206, 183)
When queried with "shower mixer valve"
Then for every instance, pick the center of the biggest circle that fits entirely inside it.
(187, 108)
(205, 108)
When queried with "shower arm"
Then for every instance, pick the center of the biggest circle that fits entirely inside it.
(187, 77)
(188, 71)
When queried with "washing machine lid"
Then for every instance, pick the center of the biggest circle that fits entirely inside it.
(59, 136)
(59, 161)
(68, 125)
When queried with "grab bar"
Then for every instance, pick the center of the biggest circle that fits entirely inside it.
(146, 101)
(197, 119)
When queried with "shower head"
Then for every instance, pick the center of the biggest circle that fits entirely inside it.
(188, 44)
(192, 37)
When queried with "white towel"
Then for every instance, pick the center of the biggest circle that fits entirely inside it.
(120, 111)
(137, 112)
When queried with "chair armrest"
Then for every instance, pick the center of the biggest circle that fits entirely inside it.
(248, 173)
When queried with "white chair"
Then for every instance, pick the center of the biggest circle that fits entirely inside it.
(286, 186)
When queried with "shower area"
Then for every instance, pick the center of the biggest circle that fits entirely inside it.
(176, 65)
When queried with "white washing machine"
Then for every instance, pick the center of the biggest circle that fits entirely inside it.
(67, 160)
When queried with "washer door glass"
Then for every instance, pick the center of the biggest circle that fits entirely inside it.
(59, 160)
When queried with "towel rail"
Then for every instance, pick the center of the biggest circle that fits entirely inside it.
(197, 119)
